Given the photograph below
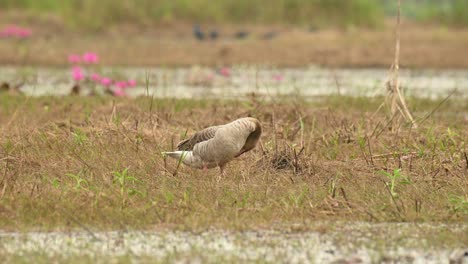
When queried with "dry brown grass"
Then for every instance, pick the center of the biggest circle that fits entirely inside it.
(60, 160)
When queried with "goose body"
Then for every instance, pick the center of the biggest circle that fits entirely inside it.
(217, 145)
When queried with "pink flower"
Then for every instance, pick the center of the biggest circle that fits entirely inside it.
(225, 71)
(119, 92)
(77, 73)
(131, 83)
(121, 84)
(10, 30)
(90, 58)
(74, 59)
(15, 31)
(6, 32)
(23, 33)
(95, 77)
(106, 81)
(278, 77)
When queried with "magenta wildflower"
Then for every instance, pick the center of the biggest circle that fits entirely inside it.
(106, 81)
(90, 58)
(119, 92)
(225, 71)
(15, 31)
(121, 84)
(278, 77)
(131, 83)
(74, 59)
(95, 77)
(77, 73)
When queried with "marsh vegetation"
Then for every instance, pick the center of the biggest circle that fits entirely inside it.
(330, 160)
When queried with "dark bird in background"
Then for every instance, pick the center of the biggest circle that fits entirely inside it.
(214, 34)
(4, 87)
(76, 89)
(241, 34)
(11, 89)
(313, 28)
(198, 33)
(269, 35)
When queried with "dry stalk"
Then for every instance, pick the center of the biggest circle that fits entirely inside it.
(466, 159)
(370, 151)
(437, 107)
(4, 181)
(394, 96)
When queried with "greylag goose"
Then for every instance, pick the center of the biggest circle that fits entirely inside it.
(217, 145)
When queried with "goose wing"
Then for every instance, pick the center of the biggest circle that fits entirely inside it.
(230, 140)
(200, 136)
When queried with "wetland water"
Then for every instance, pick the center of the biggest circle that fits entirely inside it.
(238, 81)
(356, 243)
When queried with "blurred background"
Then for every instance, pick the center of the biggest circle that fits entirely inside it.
(210, 40)
(321, 32)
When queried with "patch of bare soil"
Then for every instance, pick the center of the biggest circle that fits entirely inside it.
(423, 46)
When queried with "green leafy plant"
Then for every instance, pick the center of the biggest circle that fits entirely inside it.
(245, 199)
(332, 187)
(298, 199)
(459, 203)
(55, 182)
(169, 196)
(333, 147)
(79, 137)
(396, 178)
(116, 119)
(123, 180)
(79, 181)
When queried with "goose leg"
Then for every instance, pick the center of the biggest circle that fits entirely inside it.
(221, 169)
(222, 173)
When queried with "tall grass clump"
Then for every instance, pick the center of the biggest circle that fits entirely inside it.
(450, 12)
(459, 13)
(97, 14)
(454, 12)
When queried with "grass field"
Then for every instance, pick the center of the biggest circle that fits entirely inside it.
(90, 14)
(76, 162)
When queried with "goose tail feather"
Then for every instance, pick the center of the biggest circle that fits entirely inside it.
(177, 154)
(185, 157)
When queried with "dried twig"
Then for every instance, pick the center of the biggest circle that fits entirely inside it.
(466, 159)
(397, 101)
(437, 107)
(370, 151)
(392, 198)
(72, 218)
(345, 197)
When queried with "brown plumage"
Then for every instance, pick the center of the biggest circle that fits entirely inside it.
(200, 136)
(75, 90)
(4, 87)
(217, 145)
(11, 89)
